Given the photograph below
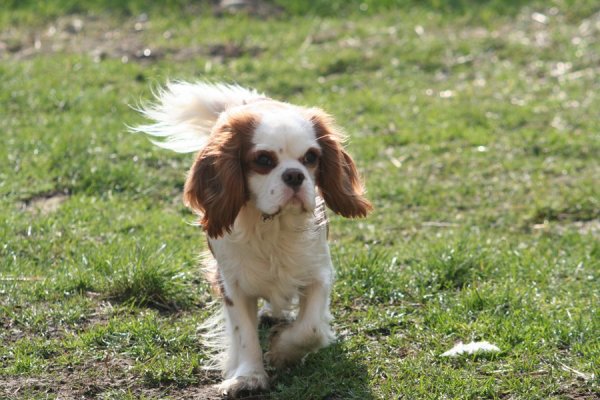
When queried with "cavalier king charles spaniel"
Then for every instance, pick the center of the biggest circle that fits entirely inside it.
(263, 174)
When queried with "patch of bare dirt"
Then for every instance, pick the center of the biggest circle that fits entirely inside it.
(576, 391)
(219, 51)
(586, 227)
(591, 227)
(102, 39)
(12, 330)
(96, 37)
(44, 204)
(256, 8)
(94, 378)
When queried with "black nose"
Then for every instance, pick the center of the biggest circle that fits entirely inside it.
(293, 177)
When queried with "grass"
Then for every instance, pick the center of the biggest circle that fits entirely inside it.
(474, 123)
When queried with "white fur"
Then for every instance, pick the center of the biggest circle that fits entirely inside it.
(283, 259)
(186, 112)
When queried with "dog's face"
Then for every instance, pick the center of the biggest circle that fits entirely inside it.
(282, 164)
(276, 158)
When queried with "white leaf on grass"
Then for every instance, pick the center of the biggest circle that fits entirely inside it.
(470, 348)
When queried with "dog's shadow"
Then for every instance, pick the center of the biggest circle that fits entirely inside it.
(329, 374)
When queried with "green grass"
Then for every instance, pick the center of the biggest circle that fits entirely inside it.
(475, 125)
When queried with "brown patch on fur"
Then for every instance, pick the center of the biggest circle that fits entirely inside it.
(210, 247)
(307, 164)
(337, 176)
(213, 277)
(261, 169)
(216, 183)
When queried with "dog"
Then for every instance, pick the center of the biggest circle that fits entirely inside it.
(264, 172)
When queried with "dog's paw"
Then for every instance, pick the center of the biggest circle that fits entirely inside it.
(283, 352)
(288, 344)
(240, 386)
(277, 330)
(280, 360)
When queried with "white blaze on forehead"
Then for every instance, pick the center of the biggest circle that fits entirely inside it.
(284, 131)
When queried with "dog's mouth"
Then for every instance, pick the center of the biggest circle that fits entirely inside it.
(295, 205)
(295, 201)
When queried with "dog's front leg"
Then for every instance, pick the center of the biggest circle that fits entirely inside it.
(309, 332)
(244, 370)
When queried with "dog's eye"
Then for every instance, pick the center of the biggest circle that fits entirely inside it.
(310, 158)
(264, 160)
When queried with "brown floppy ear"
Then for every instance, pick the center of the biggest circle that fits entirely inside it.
(216, 183)
(337, 176)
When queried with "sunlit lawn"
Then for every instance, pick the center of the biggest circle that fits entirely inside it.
(476, 128)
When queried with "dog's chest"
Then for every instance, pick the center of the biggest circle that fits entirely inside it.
(274, 264)
(281, 262)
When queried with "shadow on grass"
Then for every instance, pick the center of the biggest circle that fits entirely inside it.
(329, 374)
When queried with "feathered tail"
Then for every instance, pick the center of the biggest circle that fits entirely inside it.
(184, 113)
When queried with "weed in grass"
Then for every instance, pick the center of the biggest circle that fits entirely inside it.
(147, 278)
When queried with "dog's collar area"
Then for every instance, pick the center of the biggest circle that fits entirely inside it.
(269, 217)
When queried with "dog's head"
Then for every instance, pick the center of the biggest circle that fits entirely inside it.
(275, 157)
